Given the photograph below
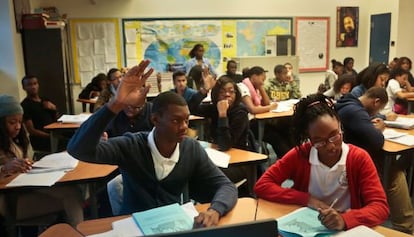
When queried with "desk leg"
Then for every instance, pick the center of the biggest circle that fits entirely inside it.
(83, 107)
(251, 179)
(93, 200)
(260, 133)
(200, 129)
(11, 217)
(386, 169)
(54, 139)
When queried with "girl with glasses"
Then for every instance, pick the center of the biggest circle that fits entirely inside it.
(326, 170)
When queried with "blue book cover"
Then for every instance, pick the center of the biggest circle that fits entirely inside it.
(302, 222)
(165, 219)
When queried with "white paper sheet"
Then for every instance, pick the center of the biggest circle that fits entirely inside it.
(85, 64)
(85, 48)
(60, 161)
(84, 31)
(286, 105)
(78, 118)
(407, 140)
(36, 179)
(131, 51)
(99, 63)
(86, 77)
(99, 31)
(99, 46)
(359, 231)
(128, 228)
(110, 55)
(219, 158)
(131, 35)
(401, 122)
(391, 133)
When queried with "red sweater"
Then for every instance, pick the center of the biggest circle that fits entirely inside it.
(369, 205)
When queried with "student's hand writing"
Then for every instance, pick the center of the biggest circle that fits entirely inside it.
(331, 219)
(222, 107)
(132, 89)
(378, 124)
(391, 116)
(273, 105)
(17, 166)
(315, 203)
(206, 219)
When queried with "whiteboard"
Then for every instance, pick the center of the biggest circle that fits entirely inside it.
(312, 43)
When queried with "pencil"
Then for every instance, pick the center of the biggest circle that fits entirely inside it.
(333, 203)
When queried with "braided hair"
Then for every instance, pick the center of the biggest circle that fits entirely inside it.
(306, 111)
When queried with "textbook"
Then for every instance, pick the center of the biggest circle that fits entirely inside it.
(302, 222)
(401, 122)
(165, 219)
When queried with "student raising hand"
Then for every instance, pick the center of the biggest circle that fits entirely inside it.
(132, 89)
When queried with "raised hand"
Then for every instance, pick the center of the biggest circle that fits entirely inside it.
(132, 89)
(208, 79)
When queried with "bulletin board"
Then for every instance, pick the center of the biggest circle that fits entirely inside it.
(95, 47)
(312, 43)
(168, 41)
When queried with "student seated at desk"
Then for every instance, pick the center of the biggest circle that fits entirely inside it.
(362, 131)
(114, 76)
(280, 87)
(94, 88)
(398, 88)
(192, 97)
(38, 112)
(375, 75)
(256, 100)
(133, 118)
(326, 171)
(15, 157)
(158, 166)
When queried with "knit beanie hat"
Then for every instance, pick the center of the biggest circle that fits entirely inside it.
(9, 106)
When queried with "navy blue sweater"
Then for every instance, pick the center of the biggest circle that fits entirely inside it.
(358, 128)
(142, 190)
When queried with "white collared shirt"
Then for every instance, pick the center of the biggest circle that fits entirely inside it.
(328, 184)
(162, 165)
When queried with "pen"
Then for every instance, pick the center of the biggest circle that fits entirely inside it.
(333, 203)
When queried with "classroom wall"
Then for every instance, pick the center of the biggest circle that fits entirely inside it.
(258, 8)
(11, 57)
(404, 42)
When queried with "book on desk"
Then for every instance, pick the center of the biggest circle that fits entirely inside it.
(401, 122)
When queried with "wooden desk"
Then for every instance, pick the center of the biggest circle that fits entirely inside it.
(267, 209)
(56, 129)
(261, 119)
(243, 211)
(86, 102)
(248, 159)
(84, 173)
(392, 149)
(61, 230)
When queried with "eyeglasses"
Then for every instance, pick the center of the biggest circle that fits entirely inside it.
(224, 92)
(332, 139)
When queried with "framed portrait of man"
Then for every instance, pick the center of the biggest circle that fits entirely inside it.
(347, 23)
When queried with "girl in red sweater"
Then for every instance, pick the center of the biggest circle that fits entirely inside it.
(325, 170)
